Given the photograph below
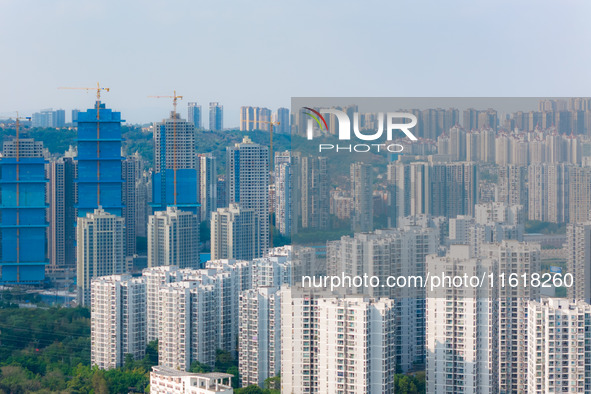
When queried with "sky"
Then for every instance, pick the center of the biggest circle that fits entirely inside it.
(263, 52)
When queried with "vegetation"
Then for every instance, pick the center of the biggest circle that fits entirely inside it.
(224, 362)
(135, 140)
(535, 226)
(48, 350)
(410, 384)
(57, 141)
(205, 236)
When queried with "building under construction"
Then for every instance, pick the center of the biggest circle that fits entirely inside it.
(23, 208)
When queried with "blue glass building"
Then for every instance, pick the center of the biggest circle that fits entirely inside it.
(99, 161)
(163, 193)
(23, 245)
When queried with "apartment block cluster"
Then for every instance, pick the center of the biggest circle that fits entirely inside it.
(192, 313)
(456, 204)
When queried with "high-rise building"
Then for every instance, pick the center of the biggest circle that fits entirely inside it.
(259, 339)
(409, 190)
(62, 214)
(254, 118)
(143, 196)
(23, 211)
(195, 115)
(559, 360)
(362, 192)
(461, 326)
(173, 239)
(131, 169)
(337, 345)
(99, 161)
(155, 278)
(216, 116)
(273, 270)
(438, 189)
(191, 313)
(222, 192)
(454, 188)
(235, 233)
(310, 185)
(247, 182)
(229, 277)
(185, 330)
(208, 184)
(283, 192)
(548, 192)
(385, 253)
(75, 113)
(578, 260)
(493, 222)
(512, 185)
(100, 244)
(49, 118)
(174, 144)
(282, 117)
(579, 202)
(513, 258)
(175, 179)
(117, 320)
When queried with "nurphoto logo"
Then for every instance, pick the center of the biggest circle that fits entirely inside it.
(394, 121)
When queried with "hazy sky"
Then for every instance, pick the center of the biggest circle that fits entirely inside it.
(263, 52)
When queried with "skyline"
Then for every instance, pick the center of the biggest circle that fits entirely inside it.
(298, 49)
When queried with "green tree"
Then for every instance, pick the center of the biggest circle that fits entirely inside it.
(197, 367)
(99, 383)
(252, 389)
(273, 383)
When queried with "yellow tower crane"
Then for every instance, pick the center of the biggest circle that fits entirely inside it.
(174, 98)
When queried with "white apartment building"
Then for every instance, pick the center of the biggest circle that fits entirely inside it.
(191, 313)
(173, 238)
(548, 192)
(165, 380)
(155, 278)
(385, 253)
(259, 335)
(493, 222)
(247, 177)
(519, 258)
(361, 177)
(461, 325)
(174, 144)
(185, 329)
(272, 271)
(578, 249)
(356, 350)
(118, 320)
(336, 345)
(208, 185)
(299, 359)
(100, 240)
(559, 356)
(236, 233)
(283, 192)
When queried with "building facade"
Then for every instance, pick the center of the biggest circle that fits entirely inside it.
(173, 239)
(23, 211)
(100, 245)
(118, 320)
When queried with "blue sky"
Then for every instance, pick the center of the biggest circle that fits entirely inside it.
(264, 52)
